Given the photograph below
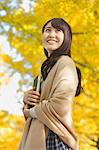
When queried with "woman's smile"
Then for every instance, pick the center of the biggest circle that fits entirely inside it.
(51, 40)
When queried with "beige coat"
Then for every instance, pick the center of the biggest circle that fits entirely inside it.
(55, 108)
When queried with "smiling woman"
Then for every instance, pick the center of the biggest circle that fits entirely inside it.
(49, 119)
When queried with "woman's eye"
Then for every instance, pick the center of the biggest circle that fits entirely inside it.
(58, 30)
(47, 30)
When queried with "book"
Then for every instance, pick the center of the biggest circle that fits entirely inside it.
(36, 83)
(36, 87)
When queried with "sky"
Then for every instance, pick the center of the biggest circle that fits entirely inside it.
(8, 91)
(8, 96)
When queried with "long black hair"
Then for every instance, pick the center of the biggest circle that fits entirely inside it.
(64, 49)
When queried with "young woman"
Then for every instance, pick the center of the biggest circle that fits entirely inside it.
(61, 82)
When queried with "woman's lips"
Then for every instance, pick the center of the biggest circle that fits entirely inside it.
(51, 40)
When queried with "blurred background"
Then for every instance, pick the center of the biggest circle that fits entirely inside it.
(21, 55)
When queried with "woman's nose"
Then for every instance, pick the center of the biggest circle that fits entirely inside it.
(52, 34)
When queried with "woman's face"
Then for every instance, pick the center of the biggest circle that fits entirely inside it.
(52, 38)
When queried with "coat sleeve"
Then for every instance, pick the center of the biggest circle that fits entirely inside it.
(54, 111)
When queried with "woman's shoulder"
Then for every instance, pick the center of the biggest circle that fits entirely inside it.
(65, 60)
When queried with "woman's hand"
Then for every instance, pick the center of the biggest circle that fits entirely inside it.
(32, 98)
(26, 113)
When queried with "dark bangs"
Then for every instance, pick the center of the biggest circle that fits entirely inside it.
(57, 23)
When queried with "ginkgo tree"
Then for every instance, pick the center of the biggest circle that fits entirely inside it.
(24, 36)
